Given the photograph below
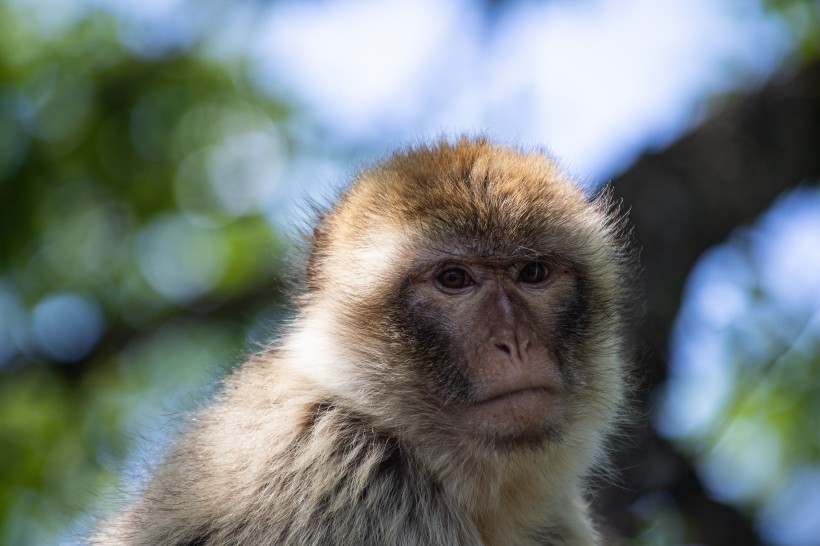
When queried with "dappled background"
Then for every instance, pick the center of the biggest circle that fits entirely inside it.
(155, 158)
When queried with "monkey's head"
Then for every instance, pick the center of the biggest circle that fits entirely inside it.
(472, 291)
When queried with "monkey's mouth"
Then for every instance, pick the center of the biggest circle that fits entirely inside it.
(513, 395)
(523, 410)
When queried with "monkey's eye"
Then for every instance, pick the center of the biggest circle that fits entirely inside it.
(533, 273)
(454, 279)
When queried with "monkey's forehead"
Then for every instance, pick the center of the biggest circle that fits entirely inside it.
(495, 231)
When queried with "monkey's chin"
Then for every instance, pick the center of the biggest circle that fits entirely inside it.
(523, 417)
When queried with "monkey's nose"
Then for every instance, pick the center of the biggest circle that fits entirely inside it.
(514, 348)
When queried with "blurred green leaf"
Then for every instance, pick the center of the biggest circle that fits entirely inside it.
(135, 243)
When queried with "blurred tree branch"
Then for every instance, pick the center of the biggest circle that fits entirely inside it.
(684, 200)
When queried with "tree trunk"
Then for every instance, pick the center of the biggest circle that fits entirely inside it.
(684, 200)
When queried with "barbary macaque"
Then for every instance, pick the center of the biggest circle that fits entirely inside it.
(455, 365)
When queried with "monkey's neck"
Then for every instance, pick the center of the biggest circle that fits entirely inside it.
(514, 497)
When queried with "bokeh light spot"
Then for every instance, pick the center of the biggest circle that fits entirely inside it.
(179, 259)
(67, 325)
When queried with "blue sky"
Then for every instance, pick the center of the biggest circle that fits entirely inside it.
(595, 82)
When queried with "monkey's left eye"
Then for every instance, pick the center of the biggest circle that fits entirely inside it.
(533, 272)
(454, 279)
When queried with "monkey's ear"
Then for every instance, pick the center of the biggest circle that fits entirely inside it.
(318, 244)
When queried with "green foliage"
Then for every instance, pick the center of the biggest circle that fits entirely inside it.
(802, 19)
(133, 233)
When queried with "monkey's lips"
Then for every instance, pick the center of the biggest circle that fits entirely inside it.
(513, 412)
(512, 394)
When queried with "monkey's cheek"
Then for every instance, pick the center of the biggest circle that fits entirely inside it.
(520, 412)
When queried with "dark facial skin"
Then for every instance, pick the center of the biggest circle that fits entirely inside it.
(500, 315)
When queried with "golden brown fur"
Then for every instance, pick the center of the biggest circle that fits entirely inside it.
(345, 432)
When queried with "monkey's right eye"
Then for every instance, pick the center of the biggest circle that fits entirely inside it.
(533, 273)
(454, 279)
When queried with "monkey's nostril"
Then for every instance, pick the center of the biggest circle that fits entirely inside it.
(504, 348)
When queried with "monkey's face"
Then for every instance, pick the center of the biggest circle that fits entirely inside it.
(484, 332)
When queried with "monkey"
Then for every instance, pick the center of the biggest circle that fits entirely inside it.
(456, 363)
